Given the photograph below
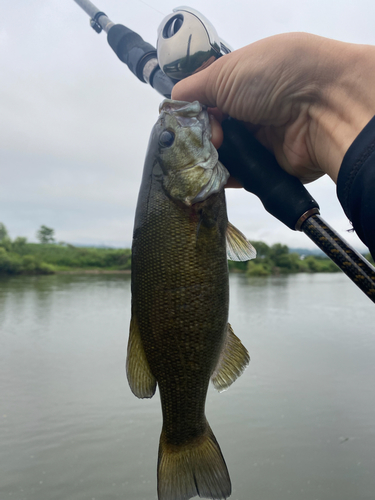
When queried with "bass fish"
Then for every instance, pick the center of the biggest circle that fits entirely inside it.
(179, 333)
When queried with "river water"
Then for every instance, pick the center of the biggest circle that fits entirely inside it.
(298, 425)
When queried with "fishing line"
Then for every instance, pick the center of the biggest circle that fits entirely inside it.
(151, 7)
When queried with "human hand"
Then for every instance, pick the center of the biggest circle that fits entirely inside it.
(304, 97)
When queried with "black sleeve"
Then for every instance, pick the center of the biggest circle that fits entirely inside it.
(356, 185)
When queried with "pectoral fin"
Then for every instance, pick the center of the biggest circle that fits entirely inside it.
(238, 247)
(141, 380)
(233, 360)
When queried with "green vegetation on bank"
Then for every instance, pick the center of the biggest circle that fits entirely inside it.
(277, 259)
(20, 257)
(47, 257)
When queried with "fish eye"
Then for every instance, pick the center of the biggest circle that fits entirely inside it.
(166, 138)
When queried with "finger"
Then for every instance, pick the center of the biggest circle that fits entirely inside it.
(233, 183)
(195, 88)
(216, 131)
(219, 115)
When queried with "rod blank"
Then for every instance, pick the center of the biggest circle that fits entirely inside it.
(92, 11)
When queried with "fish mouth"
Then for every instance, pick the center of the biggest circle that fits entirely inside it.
(183, 108)
(188, 114)
(205, 176)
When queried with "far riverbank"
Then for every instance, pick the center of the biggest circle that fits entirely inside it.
(18, 257)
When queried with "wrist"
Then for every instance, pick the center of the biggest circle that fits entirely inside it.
(347, 105)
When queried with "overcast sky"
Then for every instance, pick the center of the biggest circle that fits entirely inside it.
(75, 122)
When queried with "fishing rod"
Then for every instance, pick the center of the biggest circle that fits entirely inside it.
(187, 42)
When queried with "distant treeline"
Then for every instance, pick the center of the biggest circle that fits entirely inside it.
(20, 257)
(48, 257)
(277, 259)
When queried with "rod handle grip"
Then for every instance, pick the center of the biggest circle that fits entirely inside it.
(250, 163)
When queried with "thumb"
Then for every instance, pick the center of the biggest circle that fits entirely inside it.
(196, 88)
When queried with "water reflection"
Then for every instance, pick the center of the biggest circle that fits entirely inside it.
(299, 424)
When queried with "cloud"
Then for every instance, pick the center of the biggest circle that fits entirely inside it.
(75, 122)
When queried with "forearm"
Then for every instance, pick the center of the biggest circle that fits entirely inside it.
(356, 185)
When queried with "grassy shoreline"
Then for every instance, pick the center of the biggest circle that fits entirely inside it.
(19, 257)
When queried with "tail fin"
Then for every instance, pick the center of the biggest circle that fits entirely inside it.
(195, 469)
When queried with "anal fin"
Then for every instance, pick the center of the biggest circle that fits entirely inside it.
(233, 360)
(141, 380)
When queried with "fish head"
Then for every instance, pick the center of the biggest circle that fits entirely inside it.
(191, 171)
